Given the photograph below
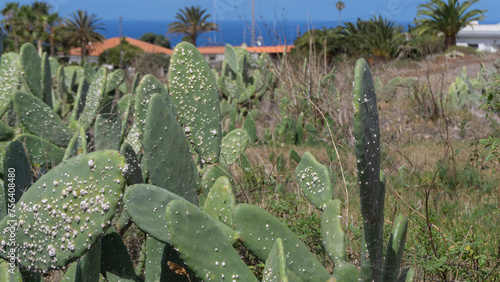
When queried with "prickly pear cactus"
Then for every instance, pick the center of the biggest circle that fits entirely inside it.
(220, 201)
(233, 146)
(40, 120)
(66, 211)
(9, 79)
(195, 97)
(202, 245)
(367, 148)
(31, 69)
(395, 248)
(332, 234)
(258, 230)
(40, 151)
(94, 98)
(275, 269)
(314, 181)
(167, 154)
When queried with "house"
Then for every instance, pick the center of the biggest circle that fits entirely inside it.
(484, 37)
(94, 50)
(215, 54)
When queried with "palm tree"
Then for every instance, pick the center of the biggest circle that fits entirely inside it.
(81, 29)
(192, 21)
(340, 6)
(42, 21)
(448, 18)
(10, 15)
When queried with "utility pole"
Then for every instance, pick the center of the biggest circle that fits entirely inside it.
(121, 51)
(253, 41)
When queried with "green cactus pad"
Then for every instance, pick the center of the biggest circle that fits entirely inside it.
(8, 273)
(31, 69)
(9, 79)
(89, 265)
(94, 98)
(367, 148)
(345, 271)
(275, 269)
(6, 132)
(249, 126)
(148, 86)
(46, 80)
(195, 97)
(153, 261)
(40, 151)
(107, 132)
(407, 275)
(202, 245)
(81, 97)
(135, 83)
(167, 154)
(145, 204)
(233, 145)
(114, 80)
(333, 236)
(134, 175)
(89, 72)
(208, 178)
(314, 181)
(40, 120)
(115, 259)
(231, 58)
(220, 201)
(54, 67)
(133, 138)
(395, 248)
(258, 231)
(17, 173)
(67, 210)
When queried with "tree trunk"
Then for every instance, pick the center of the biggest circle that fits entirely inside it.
(82, 58)
(52, 43)
(39, 43)
(450, 40)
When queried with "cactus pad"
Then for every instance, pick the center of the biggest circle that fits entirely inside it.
(314, 181)
(9, 79)
(333, 236)
(202, 245)
(233, 145)
(67, 210)
(275, 269)
(195, 97)
(220, 201)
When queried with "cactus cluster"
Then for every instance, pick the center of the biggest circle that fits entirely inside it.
(84, 174)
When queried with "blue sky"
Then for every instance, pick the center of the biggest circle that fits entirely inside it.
(302, 10)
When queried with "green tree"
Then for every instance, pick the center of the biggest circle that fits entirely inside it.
(42, 20)
(340, 6)
(192, 21)
(81, 29)
(156, 39)
(448, 18)
(10, 22)
(111, 56)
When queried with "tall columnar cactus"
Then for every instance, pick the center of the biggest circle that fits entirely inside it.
(66, 211)
(194, 91)
(367, 148)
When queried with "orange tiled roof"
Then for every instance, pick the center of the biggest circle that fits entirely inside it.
(97, 48)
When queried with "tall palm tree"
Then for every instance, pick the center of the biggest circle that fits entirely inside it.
(81, 29)
(42, 20)
(10, 14)
(448, 18)
(340, 6)
(192, 21)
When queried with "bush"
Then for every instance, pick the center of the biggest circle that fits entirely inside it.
(111, 56)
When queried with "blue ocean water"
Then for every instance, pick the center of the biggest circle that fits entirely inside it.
(232, 32)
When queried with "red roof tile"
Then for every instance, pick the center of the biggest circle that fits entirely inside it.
(97, 48)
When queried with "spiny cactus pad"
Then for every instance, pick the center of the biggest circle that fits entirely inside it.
(114, 79)
(146, 205)
(195, 97)
(40, 151)
(202, 245)
(94, 98)
(220, 201)
(9, 79)
(67, 210)
(367, 148)
(40, 120)
(6, 132)
(167, 154)
(31, 68)
(17, 171)
(345, 271)
(314, 181)
(395, 248)
(233, 145)
(107, 131)
(275, 269)
(46, 80)
(332, 234)
(258, 231)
